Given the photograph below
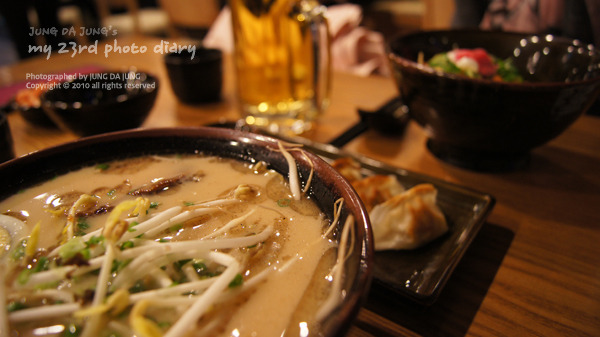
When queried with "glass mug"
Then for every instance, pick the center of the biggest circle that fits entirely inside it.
(282, 60)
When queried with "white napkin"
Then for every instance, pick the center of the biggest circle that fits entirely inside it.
(354, 49)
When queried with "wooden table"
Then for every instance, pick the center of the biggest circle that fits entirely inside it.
(533, 269)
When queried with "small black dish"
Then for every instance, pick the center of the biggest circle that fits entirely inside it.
(27, 103)
(102, 102)
(37, 117)
(7, 151)
(196, 76)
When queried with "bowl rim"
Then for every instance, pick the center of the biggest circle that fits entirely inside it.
(428, 71)
(341, 318)
(62, 105)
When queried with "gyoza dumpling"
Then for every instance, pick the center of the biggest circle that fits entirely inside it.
(408, 220)
(348, 167)
(376, 189)
(372, 190)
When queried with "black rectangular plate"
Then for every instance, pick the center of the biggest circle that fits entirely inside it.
(421, 274)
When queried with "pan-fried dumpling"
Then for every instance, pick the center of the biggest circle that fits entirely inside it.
(408, 220)
(374, 190)
(348, 167)
(400, 219)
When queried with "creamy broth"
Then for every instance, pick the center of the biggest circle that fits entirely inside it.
(265, 293)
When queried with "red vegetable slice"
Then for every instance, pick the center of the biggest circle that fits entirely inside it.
(487, 68)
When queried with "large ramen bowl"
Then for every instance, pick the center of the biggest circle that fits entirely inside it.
(327, 186)
(486, 125)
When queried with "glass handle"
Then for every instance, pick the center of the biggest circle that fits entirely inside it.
(315, 15)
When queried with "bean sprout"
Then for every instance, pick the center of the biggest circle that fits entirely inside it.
(170, 270)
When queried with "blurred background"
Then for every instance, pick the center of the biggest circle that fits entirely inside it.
(376, 23)
(171, 18)
(193, 18)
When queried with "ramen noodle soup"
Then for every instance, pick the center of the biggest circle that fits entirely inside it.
(282, 61)
(185, 245)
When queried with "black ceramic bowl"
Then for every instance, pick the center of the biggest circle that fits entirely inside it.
(327, 186)
(486, 125)
(102, 102)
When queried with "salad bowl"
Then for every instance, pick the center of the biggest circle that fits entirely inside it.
(491, 125)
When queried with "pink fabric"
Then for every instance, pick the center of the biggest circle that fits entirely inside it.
(355, 49)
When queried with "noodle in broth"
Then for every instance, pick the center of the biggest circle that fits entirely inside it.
(165, 246)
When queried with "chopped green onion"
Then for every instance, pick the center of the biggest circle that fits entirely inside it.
(176, 228)
(118, 265)
(71, 248)
(94, 240)
(42, 264)
(237, 281)
(102, 167)
(15, 305)
(86, 254)
(19, 250)
(179, 264)
(131, 226)
(82, 224)
(284, 202)
(127, 245)
(200, 267)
